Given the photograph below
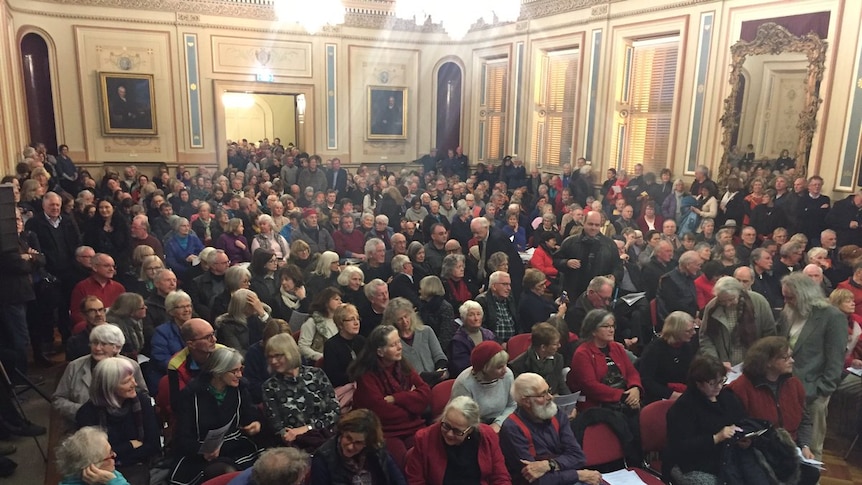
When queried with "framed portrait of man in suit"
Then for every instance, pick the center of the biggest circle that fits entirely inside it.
(387, 113)
(128, 104)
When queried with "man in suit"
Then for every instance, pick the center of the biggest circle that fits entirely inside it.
(817, 332)
(492, 241)
(336, 178)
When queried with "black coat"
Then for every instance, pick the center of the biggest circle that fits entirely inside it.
(497, 241)
(60, 252)
(599, 257)
(839, 218)
(115, 243)
(676, 291)
(15, 276)
(691, 423)
(533, 309)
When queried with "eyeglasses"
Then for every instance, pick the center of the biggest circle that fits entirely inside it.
(348, 440)
(183, 307)
(238, 371)
(93, 311)
(542, 394)
(110, 456)
(447, 428)
(607, 325)
(209, 336)
(717, 382)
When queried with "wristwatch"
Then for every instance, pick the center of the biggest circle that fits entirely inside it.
(554, 465)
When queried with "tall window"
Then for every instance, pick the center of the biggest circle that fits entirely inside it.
(492, 117)
(645, 104)
(554, 120)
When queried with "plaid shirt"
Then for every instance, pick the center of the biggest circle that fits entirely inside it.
(505, 328)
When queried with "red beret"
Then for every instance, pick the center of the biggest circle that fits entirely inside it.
(309, 212)
(484, 352)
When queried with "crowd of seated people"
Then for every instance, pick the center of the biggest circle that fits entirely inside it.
(366, 291)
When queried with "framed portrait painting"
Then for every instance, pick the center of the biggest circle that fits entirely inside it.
(387, 113)
(128, 104)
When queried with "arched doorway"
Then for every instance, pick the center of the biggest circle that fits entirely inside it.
(449, 80)
(37, 90)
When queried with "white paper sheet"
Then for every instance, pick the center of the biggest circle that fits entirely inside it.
(214, 439)
(734, 373)
(855, 372)
(622, 477)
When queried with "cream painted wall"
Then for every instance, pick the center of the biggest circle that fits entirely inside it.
(269, 116)
(230, 53)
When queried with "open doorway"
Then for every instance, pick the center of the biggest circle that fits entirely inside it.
(263, 110)
(256, 116)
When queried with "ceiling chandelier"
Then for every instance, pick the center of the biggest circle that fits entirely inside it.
(311, 17)
(457, 16)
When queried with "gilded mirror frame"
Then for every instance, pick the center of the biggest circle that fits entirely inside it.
(774, 39)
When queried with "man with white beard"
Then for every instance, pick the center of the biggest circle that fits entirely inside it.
(536, 429)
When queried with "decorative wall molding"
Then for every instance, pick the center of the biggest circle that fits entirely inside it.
(242, 55)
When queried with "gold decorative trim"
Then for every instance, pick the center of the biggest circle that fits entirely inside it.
(772, 38)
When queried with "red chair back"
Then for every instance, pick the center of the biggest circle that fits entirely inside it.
(653, 424)
(440, 395)
(221, 479)
(601, 445)
(653, 314)
(518, 345)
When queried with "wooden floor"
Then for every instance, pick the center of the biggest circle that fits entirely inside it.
(838, 471)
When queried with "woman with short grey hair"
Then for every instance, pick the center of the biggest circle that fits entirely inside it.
(470, 334)
(269, 238)
(454, 277)
(166, 340)
(733, 321)
(87, 457)
(182, 247)
(216, 398)
(73, 389)
(128, 416)
(440, 449)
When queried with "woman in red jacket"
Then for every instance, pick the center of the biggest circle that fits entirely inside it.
(601, 369)
(542, 256)
(457, 448)
(387, 385)
(769, 390)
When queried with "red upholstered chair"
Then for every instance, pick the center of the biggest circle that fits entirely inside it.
(518, 345)
(601, 446)
(440, 395)
(653, 313)
(653, 424)
(221, 479)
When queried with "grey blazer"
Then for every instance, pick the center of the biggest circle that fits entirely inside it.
(819, 351)
(73, 389)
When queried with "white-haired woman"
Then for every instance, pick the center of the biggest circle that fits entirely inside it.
(128, 416)
(350, 282)
(215, 399)
(269, 238)
(325, 273)
(468, 336)
(182, 248)
(420, 345)
(86, 457)
(488, 381)
(299, 400)
(458, 445)
(167, 340)
(243, 323)
(73, 389)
